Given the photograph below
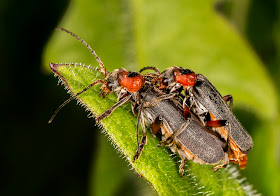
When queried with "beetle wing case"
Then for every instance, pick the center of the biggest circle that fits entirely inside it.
(206, 94)
(188, 135)
(200, 143)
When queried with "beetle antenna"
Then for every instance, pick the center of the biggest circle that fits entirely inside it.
(75, 96)
(103, 69)
(153, 68)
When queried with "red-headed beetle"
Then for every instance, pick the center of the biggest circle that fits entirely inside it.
(209, 106)
(180, 132)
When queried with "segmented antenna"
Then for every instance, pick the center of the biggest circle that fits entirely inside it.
(153, 68)
(103, 69)
(75, 96)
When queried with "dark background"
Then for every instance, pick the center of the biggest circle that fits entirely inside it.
(38, 158)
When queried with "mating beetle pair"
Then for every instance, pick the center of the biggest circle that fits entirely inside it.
(154, 97)
(210, 107)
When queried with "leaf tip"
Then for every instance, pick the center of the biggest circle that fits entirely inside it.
(53, 66)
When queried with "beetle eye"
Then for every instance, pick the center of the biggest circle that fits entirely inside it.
(185, 71)
(132, 74)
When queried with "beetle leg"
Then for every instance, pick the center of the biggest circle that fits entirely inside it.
(144, 133)
(236, 156)
(216, 123)
(186, 109)
(153, 102)
(184, 154)
(198, 109)
(156, 125)
(229, 98)
(225, 163)
(74, 96)
(167, 142)
(175, 87)
(183, 162)
(189, 95)
(227, 149)
(134, 108)
(144, 136)
(228, 136)
(109, 111)
(156, 130)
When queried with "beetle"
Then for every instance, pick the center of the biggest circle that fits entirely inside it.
(183, 134)
(209, 106)
(126, 85)
(180, 132)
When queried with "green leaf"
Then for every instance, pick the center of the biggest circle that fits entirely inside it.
(110, 179)
(155, 164)
(134, 34)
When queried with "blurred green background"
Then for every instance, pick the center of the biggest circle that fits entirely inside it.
(67, 156)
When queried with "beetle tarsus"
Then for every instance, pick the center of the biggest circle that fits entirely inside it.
(229, 98)
(140, 148)
(181, 167)
(219, 167)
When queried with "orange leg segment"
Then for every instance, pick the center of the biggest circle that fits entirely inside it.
(236, 156)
